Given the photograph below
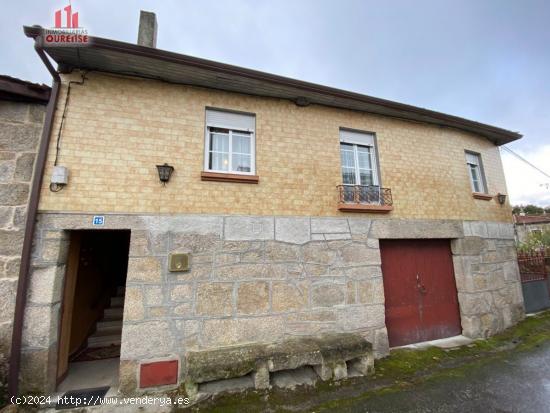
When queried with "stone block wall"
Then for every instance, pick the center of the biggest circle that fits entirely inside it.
(262, 279)
(487, 278)
(40, 336)
(251, 280)
(20, 128)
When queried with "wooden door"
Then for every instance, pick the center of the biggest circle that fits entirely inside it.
(420, 290)
(67, 306)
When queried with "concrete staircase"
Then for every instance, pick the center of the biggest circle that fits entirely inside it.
(109, 328)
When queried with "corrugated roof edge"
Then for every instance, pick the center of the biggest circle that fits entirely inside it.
(531, 219)
(502, 136)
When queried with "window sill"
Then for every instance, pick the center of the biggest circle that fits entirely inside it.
(383, 209)
(484, 197)
(227, 177)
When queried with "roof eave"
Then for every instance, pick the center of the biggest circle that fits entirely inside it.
(23, 91)
(497, 135)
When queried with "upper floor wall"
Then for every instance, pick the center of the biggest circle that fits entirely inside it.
(117, 130)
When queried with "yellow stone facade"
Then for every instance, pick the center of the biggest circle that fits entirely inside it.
(117, 129)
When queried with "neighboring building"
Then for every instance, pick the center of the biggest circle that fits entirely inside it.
(303, 209)
(528, 224)
(22, 108)
(534, 267)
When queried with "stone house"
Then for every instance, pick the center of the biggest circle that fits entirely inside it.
(527, 224)
(22, 108)
(292, 210)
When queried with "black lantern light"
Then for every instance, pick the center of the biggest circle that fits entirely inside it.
(165, 171)
(501, 198)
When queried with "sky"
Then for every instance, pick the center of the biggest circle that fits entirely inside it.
(487, 61)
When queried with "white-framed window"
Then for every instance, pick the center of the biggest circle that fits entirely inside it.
(475, 169)
(358, 158)
(230, 142)
(359, 170)
(536, 231)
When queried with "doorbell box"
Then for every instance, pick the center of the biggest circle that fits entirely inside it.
(178, 262)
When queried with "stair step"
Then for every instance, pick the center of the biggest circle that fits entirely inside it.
(103, 341)
(110, 314)
(120, 291)
(115, 331)
(109, 325)
(117, 301)
(107, 331)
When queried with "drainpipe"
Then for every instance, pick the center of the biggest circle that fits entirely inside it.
(24, 269)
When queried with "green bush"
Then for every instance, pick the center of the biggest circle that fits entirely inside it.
(536, 241)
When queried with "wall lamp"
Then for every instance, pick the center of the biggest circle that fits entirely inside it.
(501, 198)
(165, 171)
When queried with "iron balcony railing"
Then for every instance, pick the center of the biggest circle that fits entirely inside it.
(364, 194)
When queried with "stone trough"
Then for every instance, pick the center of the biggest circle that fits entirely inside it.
(330, 355)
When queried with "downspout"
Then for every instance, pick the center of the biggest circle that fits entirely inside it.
(24, 269)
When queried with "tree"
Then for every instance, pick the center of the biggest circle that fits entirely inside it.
(533, 210)
(530, 209)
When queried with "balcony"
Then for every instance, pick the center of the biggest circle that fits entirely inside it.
(364, 198)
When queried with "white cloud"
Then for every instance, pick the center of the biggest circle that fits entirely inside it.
(525, 184)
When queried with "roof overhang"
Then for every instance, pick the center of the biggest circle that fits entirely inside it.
(23, 91)
(531, 219)
(133, 60)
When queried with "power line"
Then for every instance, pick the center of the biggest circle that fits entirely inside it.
(521, 158)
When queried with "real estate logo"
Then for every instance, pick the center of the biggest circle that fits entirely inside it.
(70, 34)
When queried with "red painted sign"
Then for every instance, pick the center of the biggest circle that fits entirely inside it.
(158, 373)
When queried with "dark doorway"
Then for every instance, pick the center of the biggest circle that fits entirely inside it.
(93, 298)
(420, 291)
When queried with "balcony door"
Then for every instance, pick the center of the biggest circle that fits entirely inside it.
(359, 170)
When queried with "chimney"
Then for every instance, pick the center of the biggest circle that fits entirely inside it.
(147, 33)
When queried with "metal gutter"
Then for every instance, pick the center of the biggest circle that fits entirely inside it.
(405, 111)
(24, 269)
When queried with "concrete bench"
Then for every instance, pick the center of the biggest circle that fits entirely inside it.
(328, 354)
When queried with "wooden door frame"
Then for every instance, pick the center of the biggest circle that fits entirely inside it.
(69, 285)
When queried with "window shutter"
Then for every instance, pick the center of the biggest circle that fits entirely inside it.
(230, 120)
(357, 138)
(472, 158)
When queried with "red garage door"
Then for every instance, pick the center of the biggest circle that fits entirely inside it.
(420, 289)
